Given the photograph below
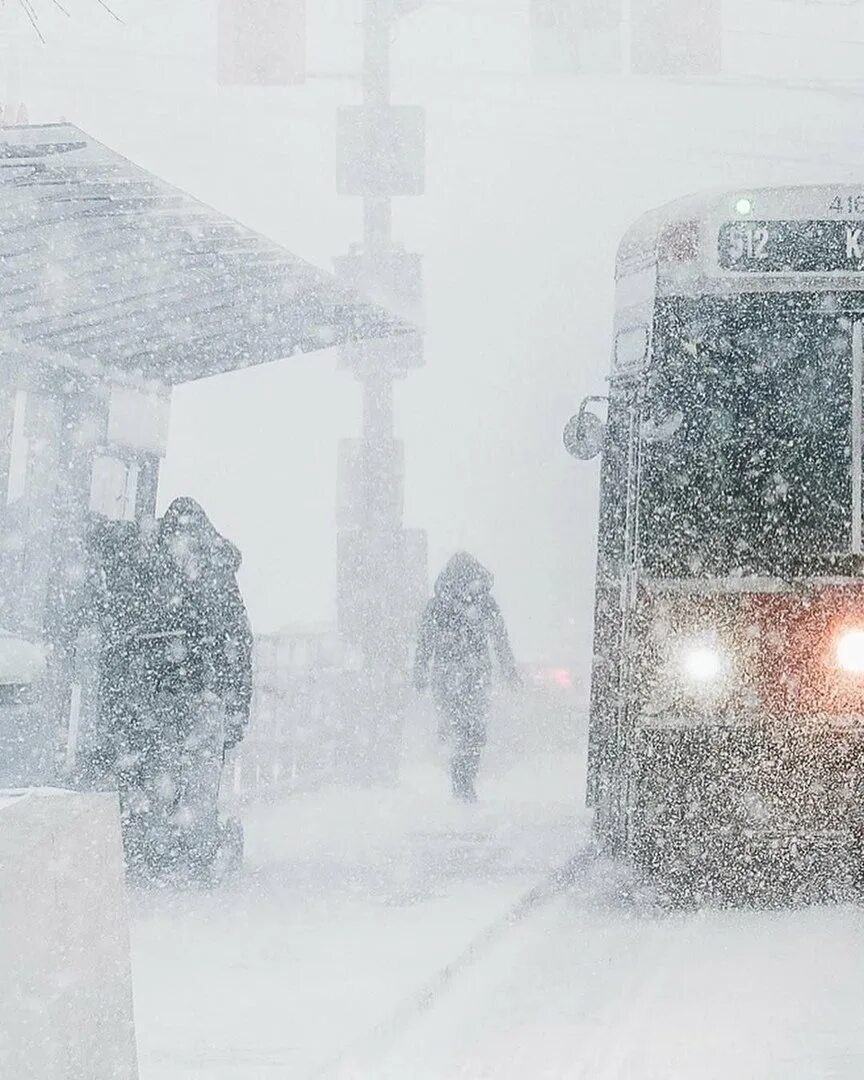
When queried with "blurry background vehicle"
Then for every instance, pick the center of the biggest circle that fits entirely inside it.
(544, 716)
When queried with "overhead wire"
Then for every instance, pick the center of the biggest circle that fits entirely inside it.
(32, 17)
(32, 13)
(110, 10)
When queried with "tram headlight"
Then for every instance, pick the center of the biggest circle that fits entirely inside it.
(698, 676)
(849, 650)
(700, 664)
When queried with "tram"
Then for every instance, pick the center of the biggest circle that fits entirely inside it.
(727, 695)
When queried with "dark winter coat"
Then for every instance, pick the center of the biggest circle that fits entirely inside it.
(171, 616)
(460, 622)
(204, 602)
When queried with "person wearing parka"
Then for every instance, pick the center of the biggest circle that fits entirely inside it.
(206, 603)
(176, 674)
(453, 655)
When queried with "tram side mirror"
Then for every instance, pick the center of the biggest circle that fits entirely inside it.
(583, 434)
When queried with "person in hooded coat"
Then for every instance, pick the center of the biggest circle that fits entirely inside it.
(176, 681)
(206, 604)
(460, 622)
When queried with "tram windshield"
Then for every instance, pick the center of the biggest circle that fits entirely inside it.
(746, 438)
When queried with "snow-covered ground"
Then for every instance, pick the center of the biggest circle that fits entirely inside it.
(371, 935)
(350, 902)
(595, 987)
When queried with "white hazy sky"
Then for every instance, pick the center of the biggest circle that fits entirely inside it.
(530, 185)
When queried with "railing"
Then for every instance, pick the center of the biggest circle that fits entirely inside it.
(311, 724)
(300, 736)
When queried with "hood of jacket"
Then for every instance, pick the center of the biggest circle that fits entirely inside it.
(463, 578)
(185, 518)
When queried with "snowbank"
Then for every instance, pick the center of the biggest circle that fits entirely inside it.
(66, 987)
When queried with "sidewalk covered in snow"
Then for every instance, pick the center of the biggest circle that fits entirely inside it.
(351, 902)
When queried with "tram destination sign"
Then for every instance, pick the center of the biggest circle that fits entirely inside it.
(813, 247)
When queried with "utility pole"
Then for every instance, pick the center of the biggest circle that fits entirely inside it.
(382, 566)
(377, 379)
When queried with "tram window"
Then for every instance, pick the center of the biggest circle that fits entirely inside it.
(613, 487)
(753, 397)
(631, 348)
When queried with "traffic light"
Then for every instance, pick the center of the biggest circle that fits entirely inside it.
(261, 42)
(676, 37)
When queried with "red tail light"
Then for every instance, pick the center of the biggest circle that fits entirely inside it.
(812, 651)
(849, 651)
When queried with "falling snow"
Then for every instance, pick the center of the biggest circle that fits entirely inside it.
(348, 727)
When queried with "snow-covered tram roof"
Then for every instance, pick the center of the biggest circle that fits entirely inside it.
(106, 267)
(680, 245)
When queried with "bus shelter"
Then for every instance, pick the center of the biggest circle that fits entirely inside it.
(114, 288)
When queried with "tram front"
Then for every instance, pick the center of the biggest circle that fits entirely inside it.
(727, 716)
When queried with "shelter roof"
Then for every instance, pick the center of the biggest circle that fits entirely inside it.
(105, 266)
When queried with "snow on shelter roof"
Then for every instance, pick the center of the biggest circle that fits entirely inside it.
(106, 265)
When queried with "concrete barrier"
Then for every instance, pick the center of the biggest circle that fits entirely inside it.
(65, 975)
